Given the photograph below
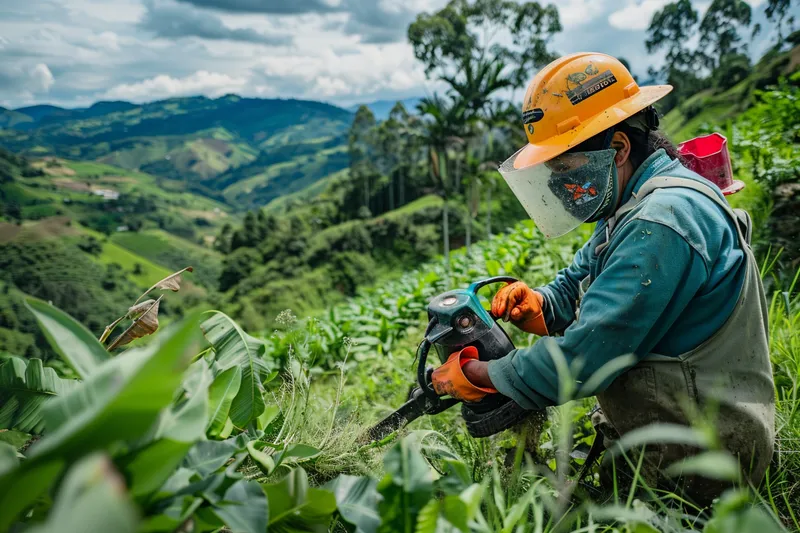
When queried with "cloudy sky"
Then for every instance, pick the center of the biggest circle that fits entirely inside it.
(76, 52)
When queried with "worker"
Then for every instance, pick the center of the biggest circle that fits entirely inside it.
(668, 276)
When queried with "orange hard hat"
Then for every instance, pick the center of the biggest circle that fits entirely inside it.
(576, 97)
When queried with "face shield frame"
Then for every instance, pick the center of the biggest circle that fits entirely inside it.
(565, 191)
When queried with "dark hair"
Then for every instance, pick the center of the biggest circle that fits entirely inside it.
(646, 143)
(643, 143)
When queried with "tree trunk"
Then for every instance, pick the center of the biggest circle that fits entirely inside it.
(468, 230)
(470, 214)
(391, 191)
(446, 236)
(401, 193)
(489, 212)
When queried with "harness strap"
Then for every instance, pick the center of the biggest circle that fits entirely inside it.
(668, 182)
(740, 218)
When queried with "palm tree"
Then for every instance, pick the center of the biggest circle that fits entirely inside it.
(445, 119)
(475, 83)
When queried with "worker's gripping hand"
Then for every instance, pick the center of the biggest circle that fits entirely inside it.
(522, 306)
(450, 379)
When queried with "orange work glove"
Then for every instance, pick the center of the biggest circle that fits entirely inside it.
(522, 306)
(450, 379)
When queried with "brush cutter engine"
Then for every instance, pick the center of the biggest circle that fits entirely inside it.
(457, 320)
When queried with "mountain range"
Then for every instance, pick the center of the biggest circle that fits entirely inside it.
(382, 108)
(242, 151)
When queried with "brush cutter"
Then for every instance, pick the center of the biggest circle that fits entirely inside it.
(457, 320)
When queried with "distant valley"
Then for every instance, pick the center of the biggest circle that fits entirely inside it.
(244, 152)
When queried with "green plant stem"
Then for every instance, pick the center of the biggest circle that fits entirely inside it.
(338, 398)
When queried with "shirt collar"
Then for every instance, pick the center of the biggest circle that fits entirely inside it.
(652, 166)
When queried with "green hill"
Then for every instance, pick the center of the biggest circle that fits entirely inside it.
(208, 144)
(715, 106)
(90, 238)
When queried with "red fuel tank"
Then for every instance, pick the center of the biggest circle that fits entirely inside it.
(708, 156)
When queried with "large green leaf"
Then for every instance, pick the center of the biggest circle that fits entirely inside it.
(235, 348)
(295, 453)
(263, 460)
(293, 506)
(92, 498)
(25, 387)
(122, 399)
(406, 487)
(186, 420)
(713, 464)
(244, 508)
(69, 338)
(357, 501)
(735, 513)
(20, 486)
(220, 397)
(8, 458)
(206, 457)
(149, 467)
(17, 439)
(177, 429)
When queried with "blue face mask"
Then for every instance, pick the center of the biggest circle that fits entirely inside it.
(611, 199)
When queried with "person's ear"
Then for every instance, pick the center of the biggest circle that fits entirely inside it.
(622, 144)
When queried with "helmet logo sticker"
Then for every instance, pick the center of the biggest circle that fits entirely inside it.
(582, 194)
(530, 129)
(576, 77)
(591, 70)
(532, 115)
(591, 87)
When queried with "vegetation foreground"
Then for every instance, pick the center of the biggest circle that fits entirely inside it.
(205, 427)
(265, 433)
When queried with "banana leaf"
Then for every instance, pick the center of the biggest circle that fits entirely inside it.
(25, 388)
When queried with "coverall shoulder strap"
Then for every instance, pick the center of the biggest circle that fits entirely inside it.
(740, 217)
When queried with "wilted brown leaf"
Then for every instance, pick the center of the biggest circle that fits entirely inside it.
(138, 309)
(145, 322)
(170, 283)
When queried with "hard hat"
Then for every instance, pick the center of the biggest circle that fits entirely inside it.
(568, 102)
(576, 97)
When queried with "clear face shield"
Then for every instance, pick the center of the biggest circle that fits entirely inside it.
(564, 192)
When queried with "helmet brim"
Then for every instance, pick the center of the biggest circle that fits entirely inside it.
(533, 154)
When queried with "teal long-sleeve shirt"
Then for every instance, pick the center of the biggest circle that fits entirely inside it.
(669, 278)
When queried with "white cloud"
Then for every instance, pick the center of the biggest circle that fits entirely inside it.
(164, 86)
(370, 71)
(40, 79)
(635, 15)
(574, 13)
(334, 56)
(107, 40)
(113, 11)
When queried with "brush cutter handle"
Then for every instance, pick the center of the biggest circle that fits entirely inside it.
(424, 379)
(478, 285)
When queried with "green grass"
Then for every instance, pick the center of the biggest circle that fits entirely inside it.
(93, 168)
(425, 202)
(150, 272)
(284, 178)
(172, 253)
(306, 194)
